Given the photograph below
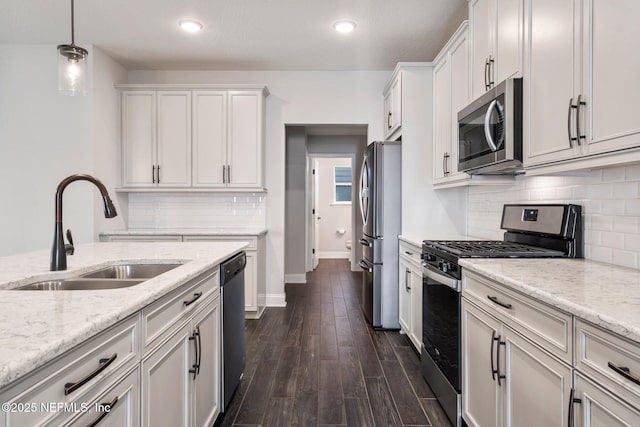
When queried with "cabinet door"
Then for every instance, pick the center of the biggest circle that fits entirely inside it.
(174, 139)
(388, 113)
(459, 66)
(209, 138)
(251, 282)
(165, 382)
(138, 138)
(537, 385)
(125, 411)
(404, 297)
(245, 140)
(611, 40)
(481, 396)
(396, 103)
(550, 80)
(481, 19)
(598, 407)
(415, 281)
(441, 120)
(508, 32)
(207, 383)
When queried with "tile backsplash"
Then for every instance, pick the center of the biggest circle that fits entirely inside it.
(610, 206)
(169, 210)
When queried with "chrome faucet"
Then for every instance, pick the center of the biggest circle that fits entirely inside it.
(60, 249)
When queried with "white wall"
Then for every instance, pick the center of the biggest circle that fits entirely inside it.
(332, 97)
(609, 199)
(44, 137)
(334, 217)
(295, 210)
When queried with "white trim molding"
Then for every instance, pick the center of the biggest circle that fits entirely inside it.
(276, 300)
(295, 278)
(341, 255)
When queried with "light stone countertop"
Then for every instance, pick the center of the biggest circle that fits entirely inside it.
(222, 231)
(603, 294)
(37, 326)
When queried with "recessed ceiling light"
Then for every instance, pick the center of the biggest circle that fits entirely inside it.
(344, 26)
(190, 26)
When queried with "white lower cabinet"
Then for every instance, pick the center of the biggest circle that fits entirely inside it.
(117, 406)
(594, 406)
(508, 380)
(410, 293)
(207, 398)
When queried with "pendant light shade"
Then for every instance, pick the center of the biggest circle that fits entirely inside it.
(72, 66)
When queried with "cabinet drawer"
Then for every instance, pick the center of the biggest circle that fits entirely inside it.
(116, 405)
(410, 252)
(597, 349)
(550, 328)
(107, 355)
(252, 242)
(162, 317)
(599, 407)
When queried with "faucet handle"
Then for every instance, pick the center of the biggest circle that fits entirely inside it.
(69, 248)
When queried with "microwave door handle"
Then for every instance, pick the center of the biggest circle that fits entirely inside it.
(487, 126)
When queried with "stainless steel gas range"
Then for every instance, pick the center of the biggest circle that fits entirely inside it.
(533, 231)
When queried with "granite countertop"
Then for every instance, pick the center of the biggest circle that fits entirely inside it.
(37, 326)
(603, 294)
(222, 231)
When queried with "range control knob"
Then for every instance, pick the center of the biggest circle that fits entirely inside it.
(444, 266)
(429, 257)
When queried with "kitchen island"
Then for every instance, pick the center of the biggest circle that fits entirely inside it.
(39, 329)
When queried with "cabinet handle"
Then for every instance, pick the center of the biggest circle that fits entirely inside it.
(493, 341)
(71, 387)
(224, 174)
(500, 377)
(228, 174)
(407, 275)
(486, 71)
(501, 304)
(572, 401)
(153, 174)
(571, 138)
(408, 253)
(389, 120)
(194, 369)
(158, 174)
(491, 81)
(625, 372)
(579, 104)
(107, 410)
(445, 163)
(199, 335)
(195, 298)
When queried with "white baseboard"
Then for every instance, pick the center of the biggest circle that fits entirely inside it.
(276, 300)
(323, 255)
(295, 278)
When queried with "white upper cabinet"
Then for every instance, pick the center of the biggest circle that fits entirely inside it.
(205, 137)
(496, 31)
(580, 82)
(393, 107)
(244, 164)
(450, 94)
(209, 138)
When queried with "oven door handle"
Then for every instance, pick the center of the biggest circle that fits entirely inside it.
(447, 281)
(365, 266)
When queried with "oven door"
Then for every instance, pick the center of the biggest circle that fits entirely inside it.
(441, 299)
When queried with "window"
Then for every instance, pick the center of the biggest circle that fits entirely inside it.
(342, 185)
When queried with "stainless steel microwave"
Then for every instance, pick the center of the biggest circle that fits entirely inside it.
(490, 131)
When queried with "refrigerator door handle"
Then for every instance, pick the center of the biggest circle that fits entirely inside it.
(365, 266)
(364, 191)
(365, 242)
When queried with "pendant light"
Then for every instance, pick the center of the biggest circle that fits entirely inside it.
(72, 66)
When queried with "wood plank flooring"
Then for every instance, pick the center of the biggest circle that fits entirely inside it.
(318, 363)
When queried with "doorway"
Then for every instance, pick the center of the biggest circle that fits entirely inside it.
(331, 197)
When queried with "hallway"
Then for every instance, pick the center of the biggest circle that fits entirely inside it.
(316, 362)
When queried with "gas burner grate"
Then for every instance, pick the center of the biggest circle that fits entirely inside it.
(489, 248)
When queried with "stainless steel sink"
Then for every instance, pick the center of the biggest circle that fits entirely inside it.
(79, 284)
(131, 271)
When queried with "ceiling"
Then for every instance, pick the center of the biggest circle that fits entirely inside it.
(241, 34)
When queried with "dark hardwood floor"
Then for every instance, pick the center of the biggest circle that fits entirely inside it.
(317, 362)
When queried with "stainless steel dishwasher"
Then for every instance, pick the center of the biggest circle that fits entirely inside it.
(233, 324)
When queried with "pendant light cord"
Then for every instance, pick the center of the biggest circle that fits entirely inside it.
(73, 41)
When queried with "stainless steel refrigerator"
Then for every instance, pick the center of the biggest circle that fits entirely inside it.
(380, 196)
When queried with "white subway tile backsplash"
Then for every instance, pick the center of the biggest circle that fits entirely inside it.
(204, 210)
(611, 208)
